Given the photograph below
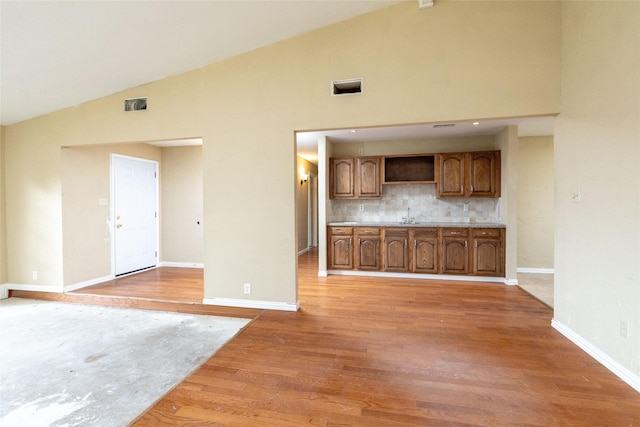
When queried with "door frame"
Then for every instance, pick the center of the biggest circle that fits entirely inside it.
(112, 221)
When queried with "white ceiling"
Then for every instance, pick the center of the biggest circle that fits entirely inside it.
(58, 54)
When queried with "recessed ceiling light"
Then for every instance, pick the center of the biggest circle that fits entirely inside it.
(354, 130)
(476, 123)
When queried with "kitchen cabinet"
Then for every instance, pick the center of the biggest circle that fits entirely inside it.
(340, 251)
(367, 254)
(475, 174)
(355, 178)
(424, 250)
(396, 249)
(488, 252)
(455, 251)
(478, 251)
(414, 169)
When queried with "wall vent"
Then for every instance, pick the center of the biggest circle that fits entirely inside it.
(135, 104)
(444, 125)
(346, 87)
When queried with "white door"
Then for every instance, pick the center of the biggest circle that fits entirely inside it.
(135, 218)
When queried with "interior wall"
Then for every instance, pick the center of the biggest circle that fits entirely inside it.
(597, 156)
(3, 225)
(302, 202)
(507, 143)
(86, 212)
(247, 107)
(535, 202)
(182, 212)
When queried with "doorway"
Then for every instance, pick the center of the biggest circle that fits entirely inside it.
(134, 186)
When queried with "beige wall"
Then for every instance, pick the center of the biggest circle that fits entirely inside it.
(597, 151)
(182, 208)
(507, 143)
(3, 240)
(86, 185)
(535, 202)
(417, 66)
(302, 202)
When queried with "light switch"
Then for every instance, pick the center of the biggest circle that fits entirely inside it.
(576, 196)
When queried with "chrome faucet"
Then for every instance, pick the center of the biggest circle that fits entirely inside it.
(408, 219)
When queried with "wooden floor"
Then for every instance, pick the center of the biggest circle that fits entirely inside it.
(397, 352)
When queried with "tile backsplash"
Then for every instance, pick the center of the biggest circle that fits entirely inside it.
(422, 201)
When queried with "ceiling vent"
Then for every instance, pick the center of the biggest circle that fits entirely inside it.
(135, 104)
(444, 125)
(346, 87)
(423, 4)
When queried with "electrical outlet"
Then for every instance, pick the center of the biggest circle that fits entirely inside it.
(361, 208)
(247, 288)
(624, 329)
(360, 151)
(34, 275)
(465, 207)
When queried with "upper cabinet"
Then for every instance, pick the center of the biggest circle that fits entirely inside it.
(357, 178)
(416, 169)
(475, 174)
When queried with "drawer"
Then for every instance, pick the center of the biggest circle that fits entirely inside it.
(334, 231)
(486, 232)
(396, 232)
(455, 232)
(369, 231)
(425, 232)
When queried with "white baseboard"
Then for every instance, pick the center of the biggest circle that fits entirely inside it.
(511, 282)
(246, 303)
(34, 288)
(4, 292)
(322, 273)
(181, 264)
(415, 276)
(535, 270)
(623, 373)
(305, 250)
(86, 283)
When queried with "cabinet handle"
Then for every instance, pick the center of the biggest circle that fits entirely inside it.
(472, 188)
(415, 243)
(405, 243)
(350, 241)
(465, 243)
(461, 189)
(476, 243)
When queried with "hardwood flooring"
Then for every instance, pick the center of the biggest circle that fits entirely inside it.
(399, 352)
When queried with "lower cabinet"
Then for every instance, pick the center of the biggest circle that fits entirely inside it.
(339, 250)
(396, 250)
(488, 252)
(422, 250)
(455, 251)
(367, 248)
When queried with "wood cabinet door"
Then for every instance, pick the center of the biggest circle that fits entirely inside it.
(367, 254)
(424, 254)
(488, 252)
(341, 178)
(484, 174)
(451, 175)
(368, 184)
(455, 255)
(396, 251)
(340, 253)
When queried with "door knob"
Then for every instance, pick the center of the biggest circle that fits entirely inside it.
(119, 225)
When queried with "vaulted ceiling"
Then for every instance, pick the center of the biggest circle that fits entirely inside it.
(58, 54)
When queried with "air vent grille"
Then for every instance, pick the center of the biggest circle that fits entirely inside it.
(135, 104)
(444, 125)
(346, 87)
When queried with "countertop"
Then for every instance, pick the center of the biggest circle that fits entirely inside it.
(417, 224)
